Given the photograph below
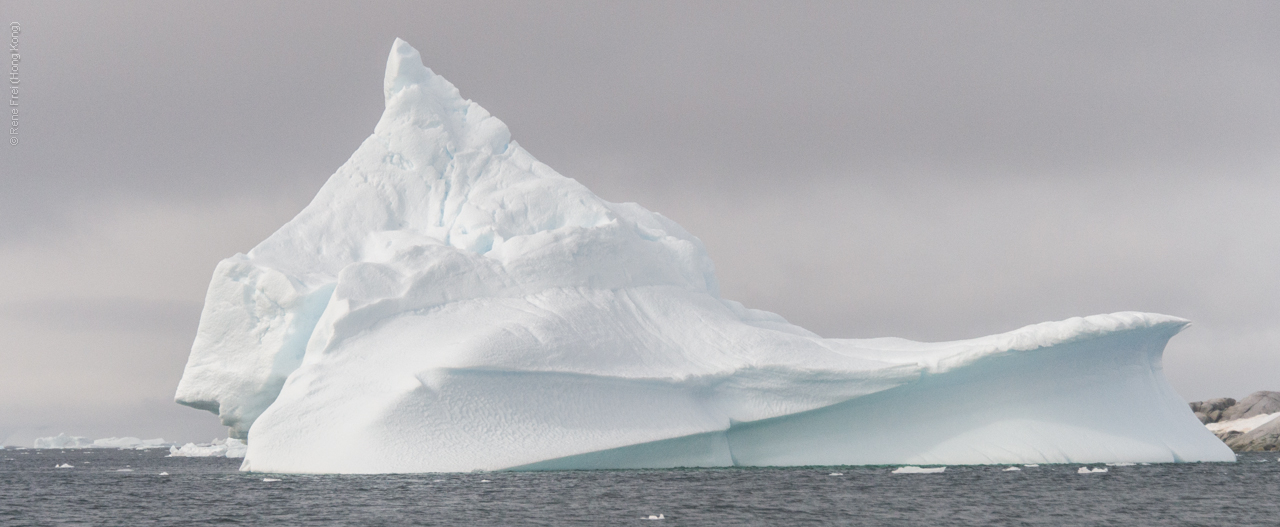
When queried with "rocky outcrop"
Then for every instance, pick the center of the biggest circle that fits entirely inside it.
(1257, 403)
(1264, 438)
(1211, 411)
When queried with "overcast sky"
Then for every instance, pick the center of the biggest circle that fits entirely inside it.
(929, 170)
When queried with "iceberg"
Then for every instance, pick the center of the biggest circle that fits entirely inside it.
(63, 441)
(226, 447)
(129, 443)
(125, 443)
(447, 303)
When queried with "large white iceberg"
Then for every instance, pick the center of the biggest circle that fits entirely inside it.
(449, 303)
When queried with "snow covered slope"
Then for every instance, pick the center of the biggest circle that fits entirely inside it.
(448, 303)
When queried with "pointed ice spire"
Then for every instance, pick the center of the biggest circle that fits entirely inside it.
(404, 68)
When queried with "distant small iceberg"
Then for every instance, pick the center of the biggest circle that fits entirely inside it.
(128, 443)
(63, 441)
(1086, 470)
(228, 447)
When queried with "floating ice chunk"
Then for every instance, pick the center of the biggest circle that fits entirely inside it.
(836, 474)
(1086, 470)
(918, 470)
(65, 465)
(164, 474)
(484, 481)
(269, 480)
(652, 517)
(1031, 465)
(124, 470)
(1012, 469)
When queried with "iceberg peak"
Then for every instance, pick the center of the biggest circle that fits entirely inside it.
(404, 68)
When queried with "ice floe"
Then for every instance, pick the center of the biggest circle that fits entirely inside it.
(918, 470)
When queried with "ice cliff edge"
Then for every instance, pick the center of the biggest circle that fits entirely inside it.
(448, 303)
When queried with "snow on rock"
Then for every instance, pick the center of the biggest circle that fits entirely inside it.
(449, 303)
(1265, 437)
(1241, 425)
(228, 447)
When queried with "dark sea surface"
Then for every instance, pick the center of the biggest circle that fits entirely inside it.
(206, 491)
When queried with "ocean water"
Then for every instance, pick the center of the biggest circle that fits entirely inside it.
(123, 487)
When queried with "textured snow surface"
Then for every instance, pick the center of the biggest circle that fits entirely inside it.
(449, 303)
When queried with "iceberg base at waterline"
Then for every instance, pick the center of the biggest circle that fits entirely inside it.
(448, 303)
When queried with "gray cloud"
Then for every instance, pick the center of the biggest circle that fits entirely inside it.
(930, 170)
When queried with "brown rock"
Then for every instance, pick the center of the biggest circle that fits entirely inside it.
(1265, 438)
(1212, 409)
(1257, 403)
